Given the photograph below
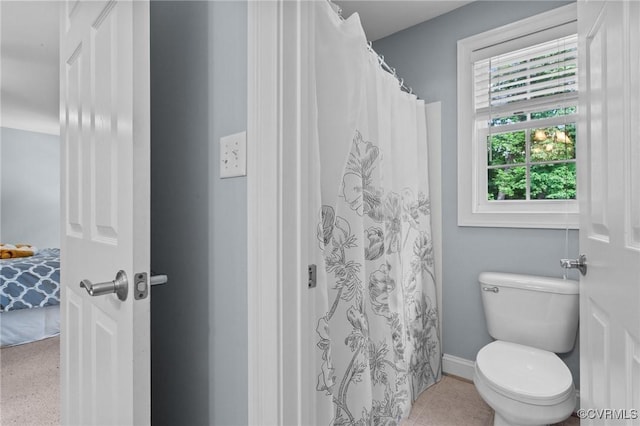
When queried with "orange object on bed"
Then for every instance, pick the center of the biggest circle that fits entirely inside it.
(10, 251)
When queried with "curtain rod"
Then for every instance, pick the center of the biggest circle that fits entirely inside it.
(381, 61)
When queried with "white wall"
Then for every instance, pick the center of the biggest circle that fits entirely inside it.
(29, 188)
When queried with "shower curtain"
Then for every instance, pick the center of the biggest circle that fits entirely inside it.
(377, 332)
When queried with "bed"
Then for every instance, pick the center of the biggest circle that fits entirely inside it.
(30, 297)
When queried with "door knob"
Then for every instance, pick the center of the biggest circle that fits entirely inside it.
(119, 286)
(580, 264)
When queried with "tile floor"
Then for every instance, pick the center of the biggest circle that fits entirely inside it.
(455, 402)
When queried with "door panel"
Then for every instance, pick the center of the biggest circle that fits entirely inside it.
(633, 371)
(597, 128)
(608, 190)
(105, 345)
(104, 153)
(71, 344)
(632, 147)
(73, 152)
(599, 355)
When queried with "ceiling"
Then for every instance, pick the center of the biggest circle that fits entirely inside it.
(29, 47)
(381, 18)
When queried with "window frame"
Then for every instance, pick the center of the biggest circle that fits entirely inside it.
(473, 207)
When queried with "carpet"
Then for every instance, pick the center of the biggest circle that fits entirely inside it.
(30, 383)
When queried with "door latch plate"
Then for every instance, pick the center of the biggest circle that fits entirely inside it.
(140, 286)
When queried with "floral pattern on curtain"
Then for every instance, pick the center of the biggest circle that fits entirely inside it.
(376, 317)
(379, 257)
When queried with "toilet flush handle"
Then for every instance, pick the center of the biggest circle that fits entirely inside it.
(491, 289)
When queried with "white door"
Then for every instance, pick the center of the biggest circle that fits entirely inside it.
(104, 72)
(609, 181)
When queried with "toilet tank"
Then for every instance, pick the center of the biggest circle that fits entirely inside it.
(535, 311)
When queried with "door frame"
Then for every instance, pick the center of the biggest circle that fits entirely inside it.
(279, 381)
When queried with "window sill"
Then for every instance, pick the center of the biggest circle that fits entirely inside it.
(513, 214)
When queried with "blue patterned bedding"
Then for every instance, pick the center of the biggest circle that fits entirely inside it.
(30, 282)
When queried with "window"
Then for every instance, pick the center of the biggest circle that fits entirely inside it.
(517, 113)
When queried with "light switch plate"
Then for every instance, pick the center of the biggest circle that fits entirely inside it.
(233, 155)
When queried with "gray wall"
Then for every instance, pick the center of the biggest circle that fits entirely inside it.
(228, 203)
(30, 188)
(425, 56)
(198, 320)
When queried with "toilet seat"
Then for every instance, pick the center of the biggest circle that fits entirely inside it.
(524, 373)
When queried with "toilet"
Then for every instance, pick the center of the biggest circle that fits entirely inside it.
(519, 374)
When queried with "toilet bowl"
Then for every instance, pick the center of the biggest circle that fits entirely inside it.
(519, 375)
(524, 385)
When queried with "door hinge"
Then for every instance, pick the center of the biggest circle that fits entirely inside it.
(312, 276)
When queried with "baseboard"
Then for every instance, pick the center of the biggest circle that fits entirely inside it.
(457, 366)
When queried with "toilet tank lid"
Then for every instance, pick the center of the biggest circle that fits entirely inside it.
(530, 282)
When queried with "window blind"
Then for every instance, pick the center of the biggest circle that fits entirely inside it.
(541, 72)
